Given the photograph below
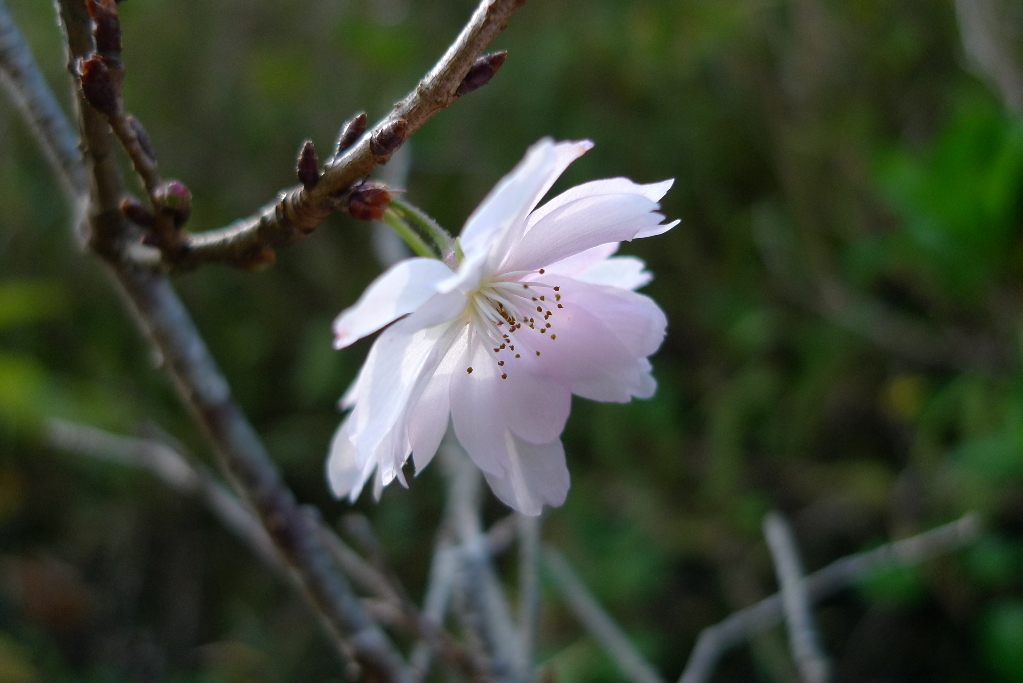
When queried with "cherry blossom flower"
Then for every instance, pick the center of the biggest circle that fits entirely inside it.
(538, 309)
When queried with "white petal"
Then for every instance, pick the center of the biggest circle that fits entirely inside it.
(582, 224)
(397, 370)
(399, 291)
(625, 272)
(502, 215)
(607, 186)
(344, 475)
(536, 476)
(429, 420)
(578, 263)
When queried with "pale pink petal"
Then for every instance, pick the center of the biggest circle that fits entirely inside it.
(397, 370)
(580, 225)
(502, 215)
(402, 289)
(624, 272)
(536, 476)
(577, 263)
(602, 338)
(597, 188)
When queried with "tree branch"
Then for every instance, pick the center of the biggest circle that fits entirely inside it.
(837, 576)
(33, 96)
(164, 320)
(806, 650)
(298, 211)
(597, 621)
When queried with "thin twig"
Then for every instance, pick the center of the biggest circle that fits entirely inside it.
(175, 471)
(443, 573)
(813, 663)
(298, 211)
(487, 613)
(837, 576)
(597, 621)
(32, 94)
(992, 44)
(204, 391)
(529, 591)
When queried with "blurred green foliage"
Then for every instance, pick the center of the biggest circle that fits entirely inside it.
(843, 295)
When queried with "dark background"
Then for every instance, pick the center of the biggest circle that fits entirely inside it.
(843, 297)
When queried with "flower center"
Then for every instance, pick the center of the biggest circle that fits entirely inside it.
(501, 310)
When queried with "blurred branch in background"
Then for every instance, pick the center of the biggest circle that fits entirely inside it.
(39, 107)
(813, 663)
(992, 35)
(837, 576)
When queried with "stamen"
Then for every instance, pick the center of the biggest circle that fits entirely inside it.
(469, 370)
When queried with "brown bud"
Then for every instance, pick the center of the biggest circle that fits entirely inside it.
(106, 27)
(173, 197)
(308, 166)
(97, 84)
(350, 132)
(142, 136)
(369, 201)
(388, 137)
(136, 212)
(481, 71)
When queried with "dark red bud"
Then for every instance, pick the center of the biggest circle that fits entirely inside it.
(97, 84)
(173, 197)
(106, 27)
(142, 136)
(350, 132)
(369, 202)
(262, 256)
(481, 71)
(308, 166)
(136, 212)
(388, 137)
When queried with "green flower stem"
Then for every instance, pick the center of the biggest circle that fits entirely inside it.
(411, 237)
(426, 228)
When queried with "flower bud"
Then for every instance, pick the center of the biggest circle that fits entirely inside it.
(481, 71)
(369, 202)
(136, 212)
(142, 136)
(97, 84)
(106, 27)
(173, 197)
(388, 137)
(350, 132)
(308, 166)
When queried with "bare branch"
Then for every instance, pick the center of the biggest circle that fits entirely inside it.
(166, 323)
(443, 573)
(992, 43)
(40, 108)
(298, 211)
(174, 470)
(837, 576)
(487, 613)
(529, 591)
(597, 621)
(813, 664)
